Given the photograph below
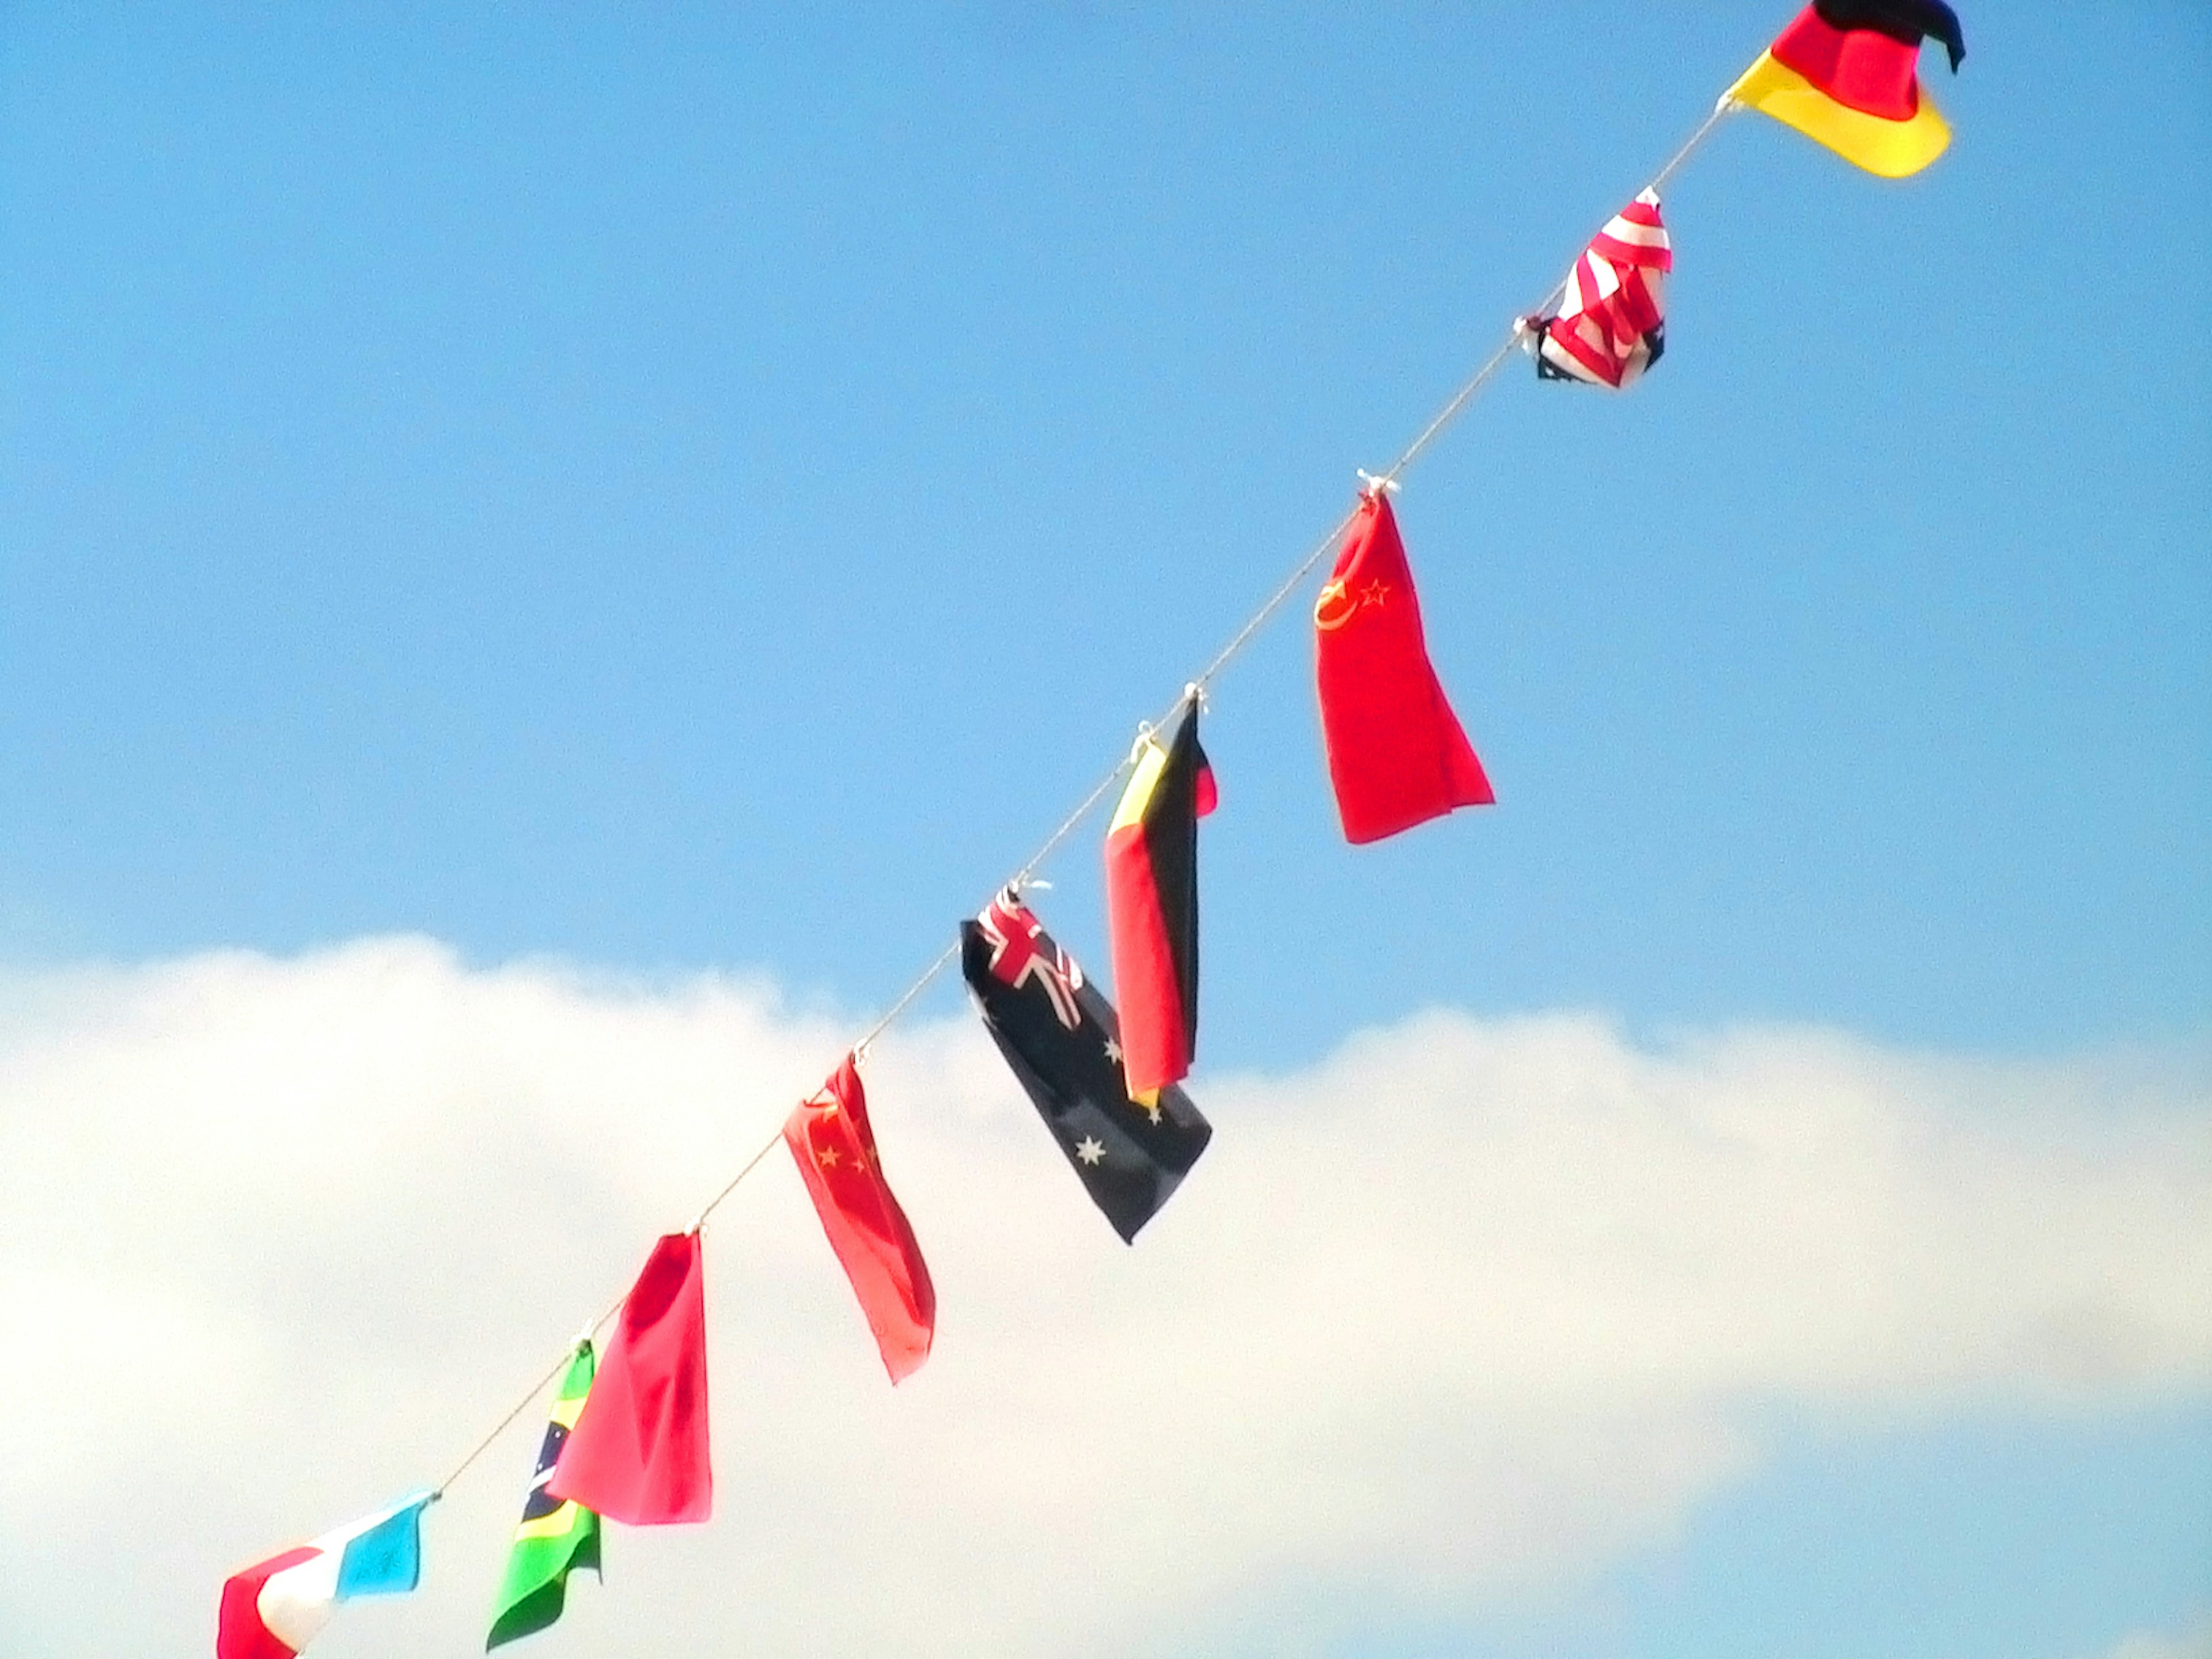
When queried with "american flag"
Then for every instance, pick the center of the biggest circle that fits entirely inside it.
(1610, 326)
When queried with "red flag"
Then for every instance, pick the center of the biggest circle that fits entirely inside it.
(1396, 754)
(638, 1452)
(240, 1631)
(835, 1151)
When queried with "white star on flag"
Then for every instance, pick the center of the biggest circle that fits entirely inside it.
(1113, 1051)
(1090, 1149)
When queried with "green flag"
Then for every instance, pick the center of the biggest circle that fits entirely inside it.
(555, 1535)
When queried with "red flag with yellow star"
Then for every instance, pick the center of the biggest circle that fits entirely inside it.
(1397, 756)
(835, 1151)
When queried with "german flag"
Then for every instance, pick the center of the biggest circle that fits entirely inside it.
(1152, 908)
(1846, 74)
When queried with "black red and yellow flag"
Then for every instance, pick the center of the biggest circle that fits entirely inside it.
(1064, 1044)
(1846, 74)
(1151, 907)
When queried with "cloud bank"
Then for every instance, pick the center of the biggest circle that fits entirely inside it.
(1470, 1308)
(2193, 1644)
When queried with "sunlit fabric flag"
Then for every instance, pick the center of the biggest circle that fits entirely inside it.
(1611, 323)
(274, 1609)
(638, 1451)
(1397, 756)
(835, 1151)
(1064, 1044)
(557, 1535)
(1151, 907)
(1846, 74)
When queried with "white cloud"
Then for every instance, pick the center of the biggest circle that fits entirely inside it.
(1471, 1306)
(2193, 1644)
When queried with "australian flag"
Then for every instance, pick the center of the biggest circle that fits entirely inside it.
(1062, 1039)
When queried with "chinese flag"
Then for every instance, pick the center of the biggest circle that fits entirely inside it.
(835, 1151)
(638, 1452)
(1396, 754)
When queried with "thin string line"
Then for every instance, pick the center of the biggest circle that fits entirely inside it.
(1723, 107)
(523, 1404)
(1451, 411)
(1481, 377)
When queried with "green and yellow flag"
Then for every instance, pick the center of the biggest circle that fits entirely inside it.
(555, 1536)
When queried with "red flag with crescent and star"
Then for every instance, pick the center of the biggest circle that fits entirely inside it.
(835, 1148)
(1397, 756)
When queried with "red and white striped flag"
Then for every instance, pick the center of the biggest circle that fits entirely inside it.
(1611, 324)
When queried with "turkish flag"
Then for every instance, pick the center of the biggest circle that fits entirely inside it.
(835, 1151)
(1396, 754)
(638, 1452)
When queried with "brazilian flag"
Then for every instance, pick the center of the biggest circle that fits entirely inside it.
(555, 1535)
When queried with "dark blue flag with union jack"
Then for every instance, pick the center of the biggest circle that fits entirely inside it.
(1064, 1044)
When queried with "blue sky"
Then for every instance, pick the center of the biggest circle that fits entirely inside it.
(699, 492)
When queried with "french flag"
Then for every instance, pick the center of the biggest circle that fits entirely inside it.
(273, 1609)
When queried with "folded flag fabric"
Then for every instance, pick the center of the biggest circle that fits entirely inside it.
(275, 1607)
(1064, 1044)
(1151, 907)
(1611, 323)
(1846, 74)
(1397, 756)
(639, 1452)
(557, 1535)
(835, 1148)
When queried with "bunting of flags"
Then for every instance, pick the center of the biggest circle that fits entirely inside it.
(627, 1436)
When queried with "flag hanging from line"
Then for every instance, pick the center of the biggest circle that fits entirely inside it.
(639, 1453)
(557, 1535)
(1397, 754)
(1846, 74)
(1611, 323)
(1151, 907)
(835, 1148)
(1063, 1043)
(273, 1609)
